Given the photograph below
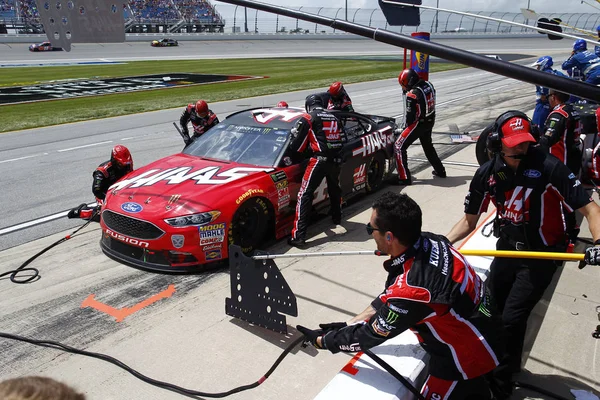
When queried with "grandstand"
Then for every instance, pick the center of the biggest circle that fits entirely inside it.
(139, 15)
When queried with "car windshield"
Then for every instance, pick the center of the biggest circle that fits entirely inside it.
(256, 145)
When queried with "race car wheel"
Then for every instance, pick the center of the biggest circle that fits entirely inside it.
(250, 224)
(375, 172)
(481, 152)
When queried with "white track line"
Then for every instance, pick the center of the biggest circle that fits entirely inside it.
(84, 146)
(38, 221)
(23, 158)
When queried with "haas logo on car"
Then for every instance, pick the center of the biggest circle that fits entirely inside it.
(374, 142)
(360, 174)
(331, 130)
(175, 176)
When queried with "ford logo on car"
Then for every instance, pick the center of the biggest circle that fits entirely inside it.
(532, 173)
(131, 207)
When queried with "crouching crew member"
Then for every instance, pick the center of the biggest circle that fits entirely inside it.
(202, 119)
(431, 290)
(106, 175)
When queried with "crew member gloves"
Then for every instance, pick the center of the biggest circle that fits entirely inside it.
(592, 255)
(332, 326)
(310, 335)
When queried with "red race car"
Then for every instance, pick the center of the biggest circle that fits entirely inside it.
(44, 46)
(237, 183)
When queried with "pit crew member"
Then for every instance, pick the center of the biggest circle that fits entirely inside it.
(202, 119)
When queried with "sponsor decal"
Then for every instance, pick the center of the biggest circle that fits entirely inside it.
(516, 205)
(350, 347)
(532, 173)
(278, 176)
(131, 207)
(374, 142)
(426, 243)
(572, 176)
(398, 261)
(331, 130)
(380, 330)
(97, 87)
(179, 175)
(248, 194)
(210, 234)
(360, 174)
(213, 255)
(501, 176)
(360, 187)
(392, 317)
(177, 241)
(265, 115)
(321, 193)
(398, 309)
(125, 239)
(434, 257)
(216, 246)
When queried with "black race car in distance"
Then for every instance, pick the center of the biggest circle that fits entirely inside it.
(164, 43)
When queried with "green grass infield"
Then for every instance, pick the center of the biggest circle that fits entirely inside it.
(284, 75)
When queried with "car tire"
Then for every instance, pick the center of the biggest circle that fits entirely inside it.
(375, 172)
(481, 151)
(250, 224)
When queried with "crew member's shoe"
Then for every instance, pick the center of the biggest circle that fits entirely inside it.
(296, 242)
(75, 212)
(441, 174)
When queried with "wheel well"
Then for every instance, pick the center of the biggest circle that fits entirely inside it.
(271, 222)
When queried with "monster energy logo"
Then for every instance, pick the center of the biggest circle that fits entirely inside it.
(392, 317)
(484, 310)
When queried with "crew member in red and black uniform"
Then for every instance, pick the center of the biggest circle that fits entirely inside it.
(202, 119)
(431, 290)
(319, 131)
(419, 121)
(561, 131)
(106, 175)
(338, 98)
(530, 191)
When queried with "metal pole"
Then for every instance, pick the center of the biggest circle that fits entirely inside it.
(346, 10)
(246, 19)
(539, 255)
(513, 71)
(436, 15)
(528, 4)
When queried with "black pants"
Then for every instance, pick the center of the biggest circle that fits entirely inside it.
(472, 389)
(314, 174)
(517, 285)
(421, 131)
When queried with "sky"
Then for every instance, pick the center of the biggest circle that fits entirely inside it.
(540, 6)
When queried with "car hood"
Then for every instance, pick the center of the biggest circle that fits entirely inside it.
(181, 184)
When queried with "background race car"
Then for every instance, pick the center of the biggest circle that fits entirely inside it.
(164, 43)
(237, 183)
(44, 46)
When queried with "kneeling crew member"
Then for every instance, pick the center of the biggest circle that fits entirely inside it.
(202, 119)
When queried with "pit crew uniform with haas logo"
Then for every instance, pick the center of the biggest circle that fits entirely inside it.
(434, 292)
(321, 132)
(561, 136)
(420, 118)
(200, 124)
(530, 204)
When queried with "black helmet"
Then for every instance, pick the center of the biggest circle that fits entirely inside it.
(313, 101)
(408, 78)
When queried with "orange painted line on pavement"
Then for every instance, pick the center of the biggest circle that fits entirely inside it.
(491, 214)
(349, 367)
(121, 313)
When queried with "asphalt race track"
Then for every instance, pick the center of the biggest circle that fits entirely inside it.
(184, 337)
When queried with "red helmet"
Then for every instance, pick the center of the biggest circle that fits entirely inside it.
(201, 108)
(408, 78)
(282, 104)
(336, 89)
(121, 157)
